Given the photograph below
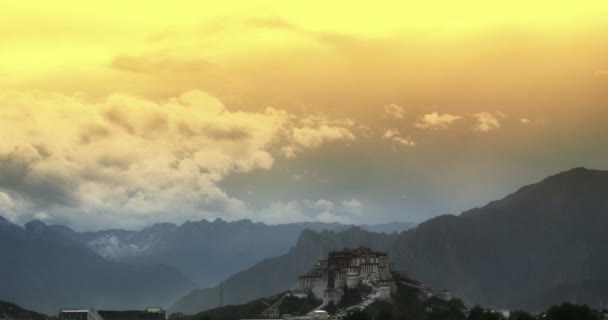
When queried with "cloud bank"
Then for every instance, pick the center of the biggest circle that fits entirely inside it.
(65, 158)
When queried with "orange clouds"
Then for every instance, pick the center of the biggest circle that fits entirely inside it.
(395, 111)
(103, 110)
(394, 136)
(436, 121)
(288, 59)
(486, 122)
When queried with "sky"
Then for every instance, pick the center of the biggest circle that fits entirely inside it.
(123, 114)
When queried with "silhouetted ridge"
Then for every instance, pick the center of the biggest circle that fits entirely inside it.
(510, 251)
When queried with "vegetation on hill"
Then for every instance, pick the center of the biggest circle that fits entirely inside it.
(560, 252)
(354, 296)
(46, 271)
(298, 306)
(406, 304)
(287, 304)
(11, 311)
(565, 311)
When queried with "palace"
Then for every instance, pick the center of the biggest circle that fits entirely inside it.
(348, 268)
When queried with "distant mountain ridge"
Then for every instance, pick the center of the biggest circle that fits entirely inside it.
(11, 311)
(205, 251)
(545, 243)
(43, 268)
(513, 251)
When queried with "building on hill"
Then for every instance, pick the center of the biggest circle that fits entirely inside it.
(348, 268)
(443, 295)
(93, 314)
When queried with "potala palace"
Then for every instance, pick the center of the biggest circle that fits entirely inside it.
(366, 273)
(348, 268)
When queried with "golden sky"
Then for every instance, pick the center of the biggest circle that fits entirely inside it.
(167, 111)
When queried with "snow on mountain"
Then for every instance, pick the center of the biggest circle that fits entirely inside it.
(113, 248)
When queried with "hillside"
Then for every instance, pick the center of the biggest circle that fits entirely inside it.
(406, 303)
(278, 274)
(509, 252)
(545, 243)
(11, 311)
(45, 271)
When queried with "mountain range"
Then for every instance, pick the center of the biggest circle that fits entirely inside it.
(207, 251)
(11, 311)
(53, 266)
(43, 270)
(543, 244)
(525, 250)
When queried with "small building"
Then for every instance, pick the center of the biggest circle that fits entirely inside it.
(79, 314)
(321, 314)
(443, 295)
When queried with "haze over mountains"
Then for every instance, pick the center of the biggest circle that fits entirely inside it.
(542, 244)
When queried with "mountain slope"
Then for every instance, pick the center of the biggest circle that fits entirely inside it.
(11, 311)
(278, 274)
(43, 270)
(406, 302)
(543, 236)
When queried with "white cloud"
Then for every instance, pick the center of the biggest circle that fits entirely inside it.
(323, 204)
(305, 210)
(43, 216)
(311, 132)
(314, 137)
(404, 141)
(8, 206)
(527, 121)
(394, 136)
(353, 205)
(436, 121)
(329, 217)
(485, 122)
(394, 111)
(390, 133)
(128, 159)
